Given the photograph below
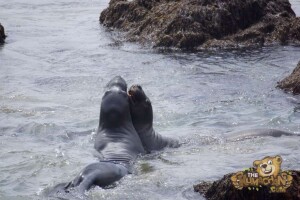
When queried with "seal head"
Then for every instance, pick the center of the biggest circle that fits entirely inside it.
(142, 119)
(140, 109)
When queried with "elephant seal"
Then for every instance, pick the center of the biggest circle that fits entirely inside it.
(142, 118)
(253, 133)
(116, 140)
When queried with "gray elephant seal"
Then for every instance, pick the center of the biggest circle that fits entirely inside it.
(142, 118)
(253, 133)
(116, 140)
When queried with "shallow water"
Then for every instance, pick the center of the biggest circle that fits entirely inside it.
(54, 65)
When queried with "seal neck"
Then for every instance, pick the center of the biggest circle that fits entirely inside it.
(126, 121)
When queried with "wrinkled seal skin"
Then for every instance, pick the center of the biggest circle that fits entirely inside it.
(142, 118)
(116, 140)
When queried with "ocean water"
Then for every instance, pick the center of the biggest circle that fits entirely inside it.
(54, 65)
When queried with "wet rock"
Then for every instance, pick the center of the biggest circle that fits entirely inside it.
(223, 190)
(2, 34)
(292, 82)
(197, 24)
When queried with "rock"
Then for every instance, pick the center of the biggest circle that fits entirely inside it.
(2, 34)
(197, 24)
(292, 82)
(223, 190)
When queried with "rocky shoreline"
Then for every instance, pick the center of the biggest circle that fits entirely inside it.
(202, 24)
(223, 189)
(291, 83)
(2, 34)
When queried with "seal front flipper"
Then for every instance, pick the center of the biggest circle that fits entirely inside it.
(97, 174)
(100, 174)
(142, 118)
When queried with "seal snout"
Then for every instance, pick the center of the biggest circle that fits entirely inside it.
(136, 93)
(134, 88)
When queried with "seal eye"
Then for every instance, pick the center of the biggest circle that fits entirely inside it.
(270, 162)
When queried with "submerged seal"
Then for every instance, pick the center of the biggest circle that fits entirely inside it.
(142, 118)
(116, 140)
(253, 133)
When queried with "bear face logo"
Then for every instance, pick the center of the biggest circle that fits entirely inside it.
(269, 166)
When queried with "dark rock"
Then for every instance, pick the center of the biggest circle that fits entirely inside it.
(292, 82)
(194, 24)
(223, 190)
(2, 34)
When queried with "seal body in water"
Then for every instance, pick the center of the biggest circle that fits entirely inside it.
(116, 140)
(142, 118)
(252, 133)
